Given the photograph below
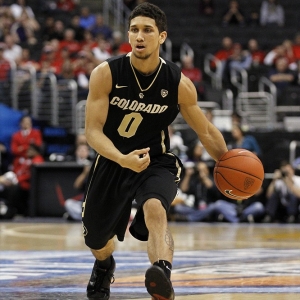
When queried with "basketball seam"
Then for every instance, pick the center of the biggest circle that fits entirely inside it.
(255, 158)
(219, 167)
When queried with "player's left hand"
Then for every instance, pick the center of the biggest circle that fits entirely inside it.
(137, 160)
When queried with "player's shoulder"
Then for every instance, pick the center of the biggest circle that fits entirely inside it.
(173, 69)
(117, 58)
(171, 64)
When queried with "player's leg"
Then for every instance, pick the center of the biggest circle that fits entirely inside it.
(160, 241)
(103, 217)
(160, 251)
(103, 272)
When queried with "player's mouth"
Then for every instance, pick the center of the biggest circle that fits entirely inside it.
(140, 47)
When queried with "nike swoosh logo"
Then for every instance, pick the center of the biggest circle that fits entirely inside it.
(121, 86)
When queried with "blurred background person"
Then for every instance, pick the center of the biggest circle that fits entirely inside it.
(244, 141)
(233, 15)
(207, 7)
(283, 195)
(271, 14)
(22, 139)
(193, 73)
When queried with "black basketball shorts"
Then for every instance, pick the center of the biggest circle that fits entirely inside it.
(111, 190)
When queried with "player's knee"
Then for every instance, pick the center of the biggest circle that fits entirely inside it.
(153, 209)
(105, 252)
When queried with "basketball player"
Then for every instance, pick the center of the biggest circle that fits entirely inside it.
(132, 100)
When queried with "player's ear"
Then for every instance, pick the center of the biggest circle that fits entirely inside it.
(162, 37)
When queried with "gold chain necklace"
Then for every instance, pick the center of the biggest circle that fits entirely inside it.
(141, 95)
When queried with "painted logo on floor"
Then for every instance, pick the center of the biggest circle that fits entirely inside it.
(194, 272)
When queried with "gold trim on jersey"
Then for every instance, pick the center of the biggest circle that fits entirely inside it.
(163, 145)
(177, 166)
(87, 192)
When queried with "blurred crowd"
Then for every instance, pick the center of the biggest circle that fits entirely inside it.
(63, 38)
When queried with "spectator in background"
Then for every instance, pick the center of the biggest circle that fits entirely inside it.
(177, 145)
(195, 151)
(198, 181)
(25, 65)
(297, 78)
(253, 18)
(239, 59)
(223, 53)
(233, 15)
(80, 139)
(283, 195)
(226, 49)
(47, 29)
(73, 205)
(236, 119)
(271, 14)
(289, 52)
(296, 46)
(78, 29)
(6, 22)
(70, 43)
(88, 42)
(282, 77)
(4, 75)
(87, 20)
(4, 158)
(82, 154)
(283, 50)
(7, 180)
(84, 57)
(19, 193)
(65, 6)
(83, 77)
(193, 73)
(22, 139)
(101, 51)
(207, 7)
(240, 140)
(18, 7)
(118, 45)
(25, 30)
(58, 31)
(50, 61)
(257, 54)
(99, 28)
(67, 71)
(13, 51)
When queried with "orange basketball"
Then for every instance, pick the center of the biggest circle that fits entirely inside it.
(239, 174)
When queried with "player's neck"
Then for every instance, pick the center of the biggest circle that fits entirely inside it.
(145, 66)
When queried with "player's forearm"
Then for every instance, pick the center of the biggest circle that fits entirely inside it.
(103, 145)
(214, 143)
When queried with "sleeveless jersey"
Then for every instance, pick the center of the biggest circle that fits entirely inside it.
(139, 119)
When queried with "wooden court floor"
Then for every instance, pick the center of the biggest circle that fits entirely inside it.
(47, 259)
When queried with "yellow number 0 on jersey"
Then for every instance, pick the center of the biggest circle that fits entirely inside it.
(130, 124)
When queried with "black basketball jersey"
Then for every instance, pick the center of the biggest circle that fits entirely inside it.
(138, 119)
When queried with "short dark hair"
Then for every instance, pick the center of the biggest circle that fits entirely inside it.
(152, 11)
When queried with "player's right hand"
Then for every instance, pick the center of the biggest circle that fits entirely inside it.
(137, 160)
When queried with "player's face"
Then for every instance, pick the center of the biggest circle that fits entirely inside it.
(144, 37)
